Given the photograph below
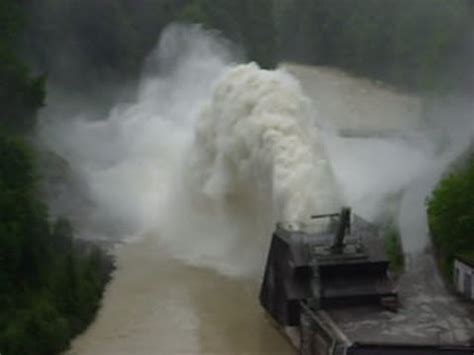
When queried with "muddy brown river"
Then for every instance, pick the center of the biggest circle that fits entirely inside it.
(157, 305)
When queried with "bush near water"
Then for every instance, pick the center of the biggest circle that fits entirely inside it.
(451, 215)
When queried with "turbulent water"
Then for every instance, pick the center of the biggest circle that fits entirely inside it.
(208, 158)
(255, 158)
(194, 174)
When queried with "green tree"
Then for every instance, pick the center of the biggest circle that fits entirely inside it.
(451, 213)
(34, 255)
(249, 23)
(413, 44)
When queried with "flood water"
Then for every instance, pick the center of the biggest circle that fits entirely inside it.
(157, 305)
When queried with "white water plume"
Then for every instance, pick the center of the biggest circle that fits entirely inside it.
(212, 154)
(209, 157)
(256, 159)
(256, 132)
(128, 158)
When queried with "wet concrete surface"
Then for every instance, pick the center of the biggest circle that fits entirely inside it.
(429, 313)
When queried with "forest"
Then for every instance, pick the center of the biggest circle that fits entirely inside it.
(50, 283)
(420, 45)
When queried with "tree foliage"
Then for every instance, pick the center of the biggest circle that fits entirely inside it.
(409, 43)
(83, 43)
(20, 94)
(451, 213)
(412, 44)
(50, 286)
(249, 23)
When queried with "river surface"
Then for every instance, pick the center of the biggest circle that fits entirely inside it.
(158, 305)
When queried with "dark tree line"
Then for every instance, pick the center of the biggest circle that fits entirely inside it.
(20, 93)
(50, 285)
(248, 23)
(83, 43)
(412, 44)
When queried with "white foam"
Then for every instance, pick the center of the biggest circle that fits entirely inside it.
(209, 157)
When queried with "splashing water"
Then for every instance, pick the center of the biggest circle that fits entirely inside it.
(255, 159)
(256, 131)
(205, 161)
(212, 154)
(209, 157)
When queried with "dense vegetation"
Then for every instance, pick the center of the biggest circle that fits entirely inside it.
(248, 23)
(451, 215)
(412, 44)
(50, 285)
(20, 94)
(83, 43)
